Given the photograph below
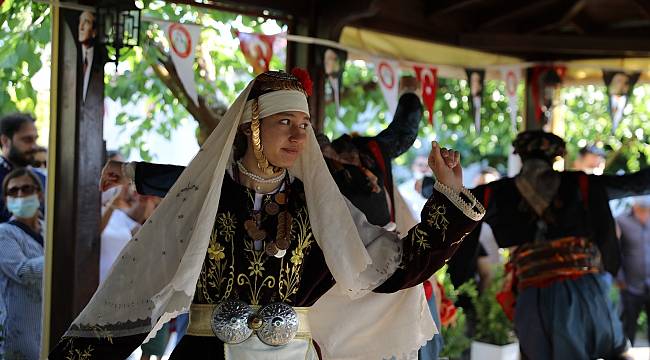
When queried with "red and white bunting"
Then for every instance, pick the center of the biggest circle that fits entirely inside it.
(512, 76)
(257, 49)
(388, 74)
(429, 81)
(183, 39)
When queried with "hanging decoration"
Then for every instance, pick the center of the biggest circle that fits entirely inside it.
(257, 49)
(475, 79)
(619, 91)
(512, 75)
(428, 78)
(543, 81)
(333, 65)
(388, 75)
(183, 40)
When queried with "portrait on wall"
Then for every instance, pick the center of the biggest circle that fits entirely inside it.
(333, 64)
(87, 33)
(83, 25)
(475, 80)
(619, 90)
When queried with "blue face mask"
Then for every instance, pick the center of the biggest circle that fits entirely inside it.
(23, 207)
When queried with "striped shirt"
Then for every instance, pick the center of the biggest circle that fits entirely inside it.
(21, 273)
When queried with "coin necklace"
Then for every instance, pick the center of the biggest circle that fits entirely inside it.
(253, 226)
(278, 204)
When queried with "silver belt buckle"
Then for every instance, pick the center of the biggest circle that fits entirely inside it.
(279, 324)
(234, 321)
(230, 321)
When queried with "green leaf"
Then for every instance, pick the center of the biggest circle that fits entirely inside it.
(6, 6)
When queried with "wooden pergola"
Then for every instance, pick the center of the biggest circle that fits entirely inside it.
(613, 32)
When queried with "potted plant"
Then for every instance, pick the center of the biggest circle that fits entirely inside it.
(494, 336)
(454, 334)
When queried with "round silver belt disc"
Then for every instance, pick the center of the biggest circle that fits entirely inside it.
(230, 321)
(279, 324)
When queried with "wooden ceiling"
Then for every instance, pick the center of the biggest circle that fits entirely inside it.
(534, 30)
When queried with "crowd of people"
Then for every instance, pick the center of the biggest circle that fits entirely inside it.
(278, 242)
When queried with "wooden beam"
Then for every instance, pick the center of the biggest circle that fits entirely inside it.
(519, 10)
(569, 45)
(570, 12)
(339, 13)
(644, 7)
(583, 24)
(450, 6)
(281, 10)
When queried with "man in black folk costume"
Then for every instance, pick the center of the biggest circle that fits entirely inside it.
(254, 233)
(564, 234)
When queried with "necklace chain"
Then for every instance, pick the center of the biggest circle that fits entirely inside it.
(259, 179)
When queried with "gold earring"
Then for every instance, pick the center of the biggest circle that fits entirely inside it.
(258, 148)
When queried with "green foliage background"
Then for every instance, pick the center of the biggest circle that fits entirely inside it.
(134, 80)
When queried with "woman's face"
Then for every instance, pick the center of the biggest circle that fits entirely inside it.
(283, 137)
(22, 186)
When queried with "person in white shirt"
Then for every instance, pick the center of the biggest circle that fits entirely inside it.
(411, 189)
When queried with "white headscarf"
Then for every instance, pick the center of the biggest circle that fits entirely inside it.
(155, 276)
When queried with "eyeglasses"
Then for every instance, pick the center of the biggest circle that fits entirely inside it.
(38, 164)
(25, 189)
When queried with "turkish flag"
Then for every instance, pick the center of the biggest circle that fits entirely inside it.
(429, 81)
(257, 49)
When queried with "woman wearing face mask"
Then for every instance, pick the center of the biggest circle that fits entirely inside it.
(21, 266)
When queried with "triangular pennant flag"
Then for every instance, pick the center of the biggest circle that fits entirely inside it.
(280, 47)
(475, 78)
(183, 39)
(429, 80)
(512, 75)
(257, 49)
(388, 74)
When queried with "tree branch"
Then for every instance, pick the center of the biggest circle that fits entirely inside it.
(202, 113)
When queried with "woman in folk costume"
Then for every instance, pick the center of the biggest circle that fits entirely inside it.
(254, 233)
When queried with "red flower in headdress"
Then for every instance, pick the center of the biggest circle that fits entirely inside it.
(303, 77)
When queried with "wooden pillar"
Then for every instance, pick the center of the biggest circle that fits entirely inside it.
(305, 56)
(73, 195)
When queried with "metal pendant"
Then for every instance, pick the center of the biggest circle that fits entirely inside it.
(279, 324)
(259, 235)
(271, 249)
(282, 243)
(281, 198)
(250, 225)
(272, 208)
(230, 321)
